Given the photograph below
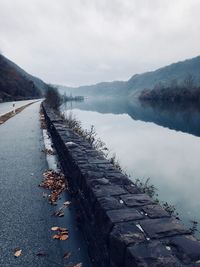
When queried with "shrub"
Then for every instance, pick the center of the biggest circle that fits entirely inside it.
(53, 97)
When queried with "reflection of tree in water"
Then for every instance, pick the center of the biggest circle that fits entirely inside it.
(182, 116)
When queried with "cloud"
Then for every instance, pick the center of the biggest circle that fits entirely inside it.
(82, 42)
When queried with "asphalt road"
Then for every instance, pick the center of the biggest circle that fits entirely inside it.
(8, 106)
(25, 216)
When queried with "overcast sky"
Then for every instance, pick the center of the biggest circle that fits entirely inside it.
(76, 42)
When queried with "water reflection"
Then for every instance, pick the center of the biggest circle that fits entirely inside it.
(182, 117)
(169, 157)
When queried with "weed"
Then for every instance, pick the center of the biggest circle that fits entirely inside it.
(144, 186)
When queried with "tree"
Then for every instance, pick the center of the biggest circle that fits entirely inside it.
(53, 97)
(189, 81)
(173, 84)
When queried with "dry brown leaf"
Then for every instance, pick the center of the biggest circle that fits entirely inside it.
(55, 228)
(18, 253)
(64, 237)
(67, 255)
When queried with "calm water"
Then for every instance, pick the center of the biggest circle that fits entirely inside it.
(162, 143)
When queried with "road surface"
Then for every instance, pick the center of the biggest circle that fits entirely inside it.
(8, 106)
(25, 216)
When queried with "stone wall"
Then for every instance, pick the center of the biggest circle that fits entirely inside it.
(122, 226)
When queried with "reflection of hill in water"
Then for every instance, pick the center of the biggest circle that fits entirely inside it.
(180, 117)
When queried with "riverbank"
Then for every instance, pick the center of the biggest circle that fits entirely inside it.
(111, 208)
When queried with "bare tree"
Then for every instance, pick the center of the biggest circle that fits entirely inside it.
(189, 81)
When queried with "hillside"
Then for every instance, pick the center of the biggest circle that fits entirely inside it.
(16, 84)
(139, 82)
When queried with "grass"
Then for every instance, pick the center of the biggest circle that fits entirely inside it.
(144, 186)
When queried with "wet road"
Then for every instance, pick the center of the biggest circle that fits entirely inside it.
(8, 106)
(25, 216)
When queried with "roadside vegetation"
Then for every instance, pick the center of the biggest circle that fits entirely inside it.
(91, 136)
(53, 98)
(143, 184)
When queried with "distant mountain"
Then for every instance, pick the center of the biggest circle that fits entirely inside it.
(103, 89)
(16, 84)
(139, 82)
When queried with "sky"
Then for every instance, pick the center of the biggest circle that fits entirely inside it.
(79, 42)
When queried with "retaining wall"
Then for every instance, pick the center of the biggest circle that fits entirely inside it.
(122, 226)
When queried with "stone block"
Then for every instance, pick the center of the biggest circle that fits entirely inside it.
(158, 228)
(155, 211)
(109, 203)
(122, 235)
(132, 189)
(108, 190)
(150, 254)
(124, 215)
(136, 200)
(186, 248)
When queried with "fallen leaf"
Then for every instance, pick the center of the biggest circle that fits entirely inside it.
(55, 228)
(59, 213)
(64, 237)
(18, 253)
(78, 265)
(66, 203)
(67, 255)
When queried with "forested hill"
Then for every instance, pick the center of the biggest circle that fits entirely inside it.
(138, 82)
(16, 84)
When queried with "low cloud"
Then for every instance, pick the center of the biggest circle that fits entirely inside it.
(78, 42)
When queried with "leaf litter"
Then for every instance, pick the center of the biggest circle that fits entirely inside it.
(62, 233)
(54, 181)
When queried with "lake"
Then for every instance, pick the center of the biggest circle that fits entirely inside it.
(150, 141)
